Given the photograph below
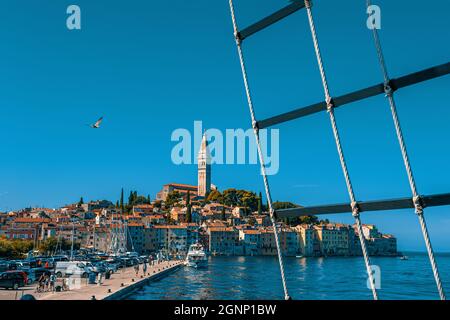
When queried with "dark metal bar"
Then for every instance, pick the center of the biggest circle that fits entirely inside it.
(424, 75)
(298, 113)
(269, 20)
(395, 84)
(366, 206)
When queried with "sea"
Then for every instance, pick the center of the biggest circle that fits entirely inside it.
(307, 278)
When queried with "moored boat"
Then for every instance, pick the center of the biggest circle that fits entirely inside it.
(196, 256)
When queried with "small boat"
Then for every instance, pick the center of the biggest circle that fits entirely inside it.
(196, 256)
(299, 256)
(404, 258)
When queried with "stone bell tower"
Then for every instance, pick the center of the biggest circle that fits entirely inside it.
(204, 168)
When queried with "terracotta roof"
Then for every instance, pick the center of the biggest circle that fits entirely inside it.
(180, 185)
(251, 231)
(32, 220)
(221, 229)
(155, 216)
(166, 226)
(143, 206)
(135, 224)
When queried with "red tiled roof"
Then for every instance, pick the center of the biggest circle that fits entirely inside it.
(32, 220)
(180, 185)
(251, 231)
(166, 226)
(221, 229)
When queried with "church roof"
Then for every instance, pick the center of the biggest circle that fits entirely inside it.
(180, 185)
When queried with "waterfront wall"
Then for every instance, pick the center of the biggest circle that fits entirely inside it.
(126, 291)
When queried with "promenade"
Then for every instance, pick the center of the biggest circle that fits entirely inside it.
(121, 283)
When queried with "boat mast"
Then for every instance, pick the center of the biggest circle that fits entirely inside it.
(71, 247)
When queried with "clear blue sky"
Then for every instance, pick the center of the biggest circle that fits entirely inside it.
(150, 67)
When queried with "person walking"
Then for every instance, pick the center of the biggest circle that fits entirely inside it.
(100, 278)
(52, 280)
(40, 286)
(136, 268)
(46, 282)
(144, 268)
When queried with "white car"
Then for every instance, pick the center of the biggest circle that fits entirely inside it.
(73, 268)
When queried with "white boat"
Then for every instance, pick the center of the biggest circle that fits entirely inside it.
(404, 258)
(196, 256)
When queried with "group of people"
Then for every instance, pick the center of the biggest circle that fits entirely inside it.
(46, 282)
(144, 269)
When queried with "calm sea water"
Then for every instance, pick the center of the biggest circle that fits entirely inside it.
(307, 278)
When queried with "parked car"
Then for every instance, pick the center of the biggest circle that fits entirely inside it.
(126, 262)
(109, 267)
(31, 276)
(132, 254)
(60, 258)
(98, 267)
(112, 265)
(20, 264)
(4, 266)
(118, 262)
(11, 265)
(13, 279)
(73, 268)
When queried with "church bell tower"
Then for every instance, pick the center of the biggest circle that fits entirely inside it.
(204, 168)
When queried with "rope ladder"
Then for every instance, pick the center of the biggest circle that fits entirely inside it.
(388, 87)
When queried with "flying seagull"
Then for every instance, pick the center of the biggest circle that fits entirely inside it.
(97, 124)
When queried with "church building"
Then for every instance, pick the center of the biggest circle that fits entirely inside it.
(204, 177)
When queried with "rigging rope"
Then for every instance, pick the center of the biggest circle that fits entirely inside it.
(330, 109)
(412, 183)
(260, 155)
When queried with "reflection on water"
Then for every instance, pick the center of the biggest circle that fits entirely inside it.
(307, 278)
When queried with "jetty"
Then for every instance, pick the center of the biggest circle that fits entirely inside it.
(118, 286)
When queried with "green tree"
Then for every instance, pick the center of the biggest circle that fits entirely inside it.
(308, 220)
(173, 198)
(149, 201)
(80, 202)
(260, 204)
(139, 200)
(214, 196)
(277, 205)
(242, 198)
(50, 245)
(230, 197)
(15, 248)
(131, 198)
(122, 205)
(223, 215)
(157, 204)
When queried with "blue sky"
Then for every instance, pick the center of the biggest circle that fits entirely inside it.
(150, 67)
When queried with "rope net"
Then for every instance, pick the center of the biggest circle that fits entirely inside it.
(388, 87)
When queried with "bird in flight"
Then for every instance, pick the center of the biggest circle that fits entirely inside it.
(96, 125)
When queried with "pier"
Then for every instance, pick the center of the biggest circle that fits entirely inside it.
(121, 284)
